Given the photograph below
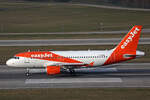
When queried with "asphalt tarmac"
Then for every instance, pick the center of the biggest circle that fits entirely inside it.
(118, 75)
(48, 42)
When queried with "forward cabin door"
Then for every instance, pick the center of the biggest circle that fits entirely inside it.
(27, 62)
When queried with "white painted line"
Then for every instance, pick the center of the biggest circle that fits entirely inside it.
(134, 64)
(96, 69)
(73, 80)
(109, 70)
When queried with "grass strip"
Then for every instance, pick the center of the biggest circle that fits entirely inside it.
(26, 17)
(77, 94)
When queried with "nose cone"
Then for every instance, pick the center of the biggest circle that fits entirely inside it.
(8, 62)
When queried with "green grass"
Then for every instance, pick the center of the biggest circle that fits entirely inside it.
(64, 36)
(8, 52)
(49, 17)
(77, 94)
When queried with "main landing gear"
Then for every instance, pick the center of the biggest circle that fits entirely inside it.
(72, 71)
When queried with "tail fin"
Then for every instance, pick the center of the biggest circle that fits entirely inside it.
(130, 41)
(126, 49)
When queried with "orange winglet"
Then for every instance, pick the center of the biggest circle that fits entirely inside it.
(91, 64)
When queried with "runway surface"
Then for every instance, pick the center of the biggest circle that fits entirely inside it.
(112, 7)
(118, 75)
(92, 32)
(108, 41)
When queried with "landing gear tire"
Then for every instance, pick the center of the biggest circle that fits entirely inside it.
(72, 71)
(27, 72)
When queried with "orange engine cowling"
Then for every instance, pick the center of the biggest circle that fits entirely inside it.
(51, 70)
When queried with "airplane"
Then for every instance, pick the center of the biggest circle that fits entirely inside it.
(56, 61)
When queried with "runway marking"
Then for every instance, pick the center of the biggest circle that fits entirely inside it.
(73, 80)
(97, 70)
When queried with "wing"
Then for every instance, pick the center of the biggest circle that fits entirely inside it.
(70, 65)
(67, 65)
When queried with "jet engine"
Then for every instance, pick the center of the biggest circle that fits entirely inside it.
(51, 70)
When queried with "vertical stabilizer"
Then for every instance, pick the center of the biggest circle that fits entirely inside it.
(126, 49)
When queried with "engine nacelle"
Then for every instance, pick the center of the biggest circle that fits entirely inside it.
(51, 70)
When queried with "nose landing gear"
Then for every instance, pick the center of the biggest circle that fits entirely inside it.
(27, 72)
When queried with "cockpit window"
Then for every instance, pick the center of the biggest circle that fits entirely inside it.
(16, 57)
